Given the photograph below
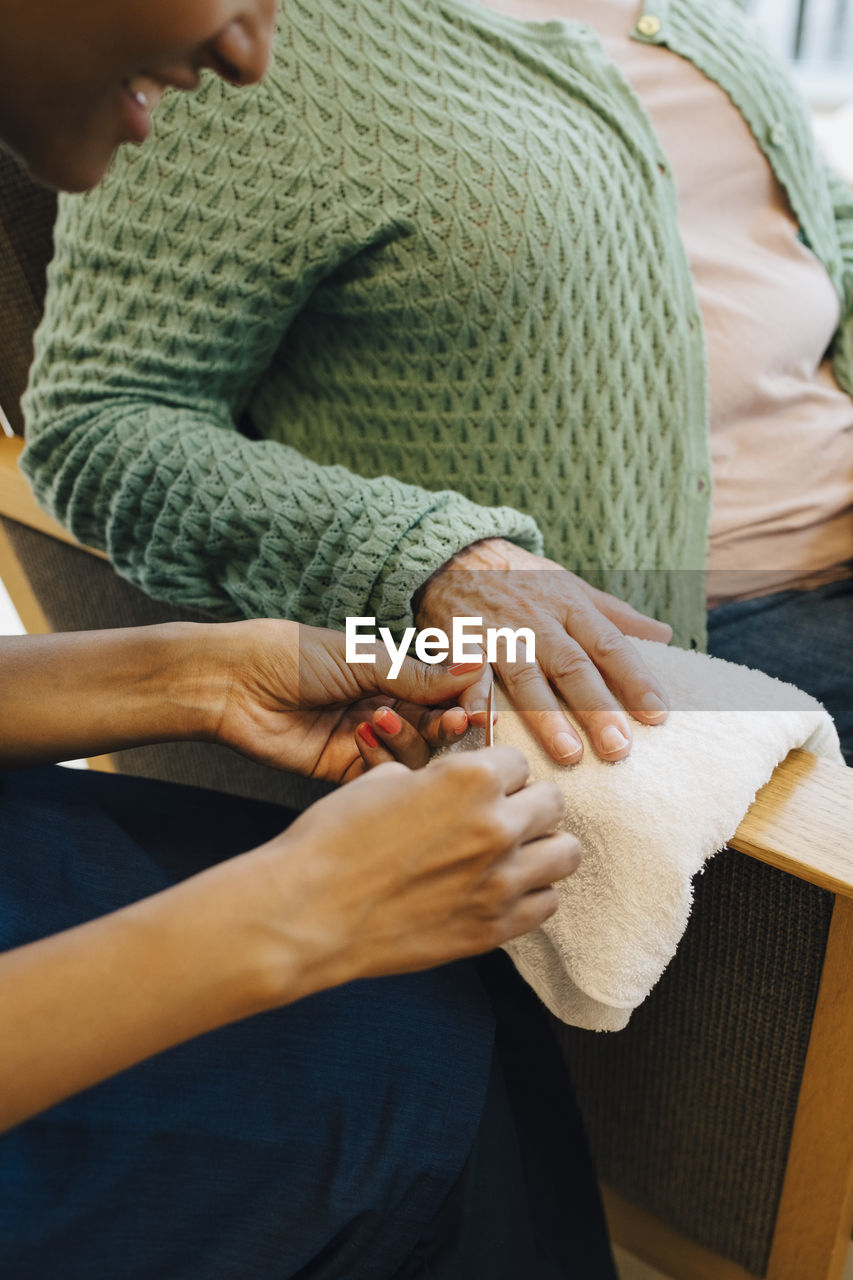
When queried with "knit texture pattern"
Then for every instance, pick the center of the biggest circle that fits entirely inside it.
(434, 261)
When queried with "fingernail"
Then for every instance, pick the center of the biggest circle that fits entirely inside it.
(388, 722)
(566, 746)
(478, 708)
(652, 706)
(367, 735)
(612, 740)
(462, 668)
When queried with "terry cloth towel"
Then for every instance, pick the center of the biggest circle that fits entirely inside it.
(649, 823)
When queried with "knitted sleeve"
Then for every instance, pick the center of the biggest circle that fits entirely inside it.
(171, 290)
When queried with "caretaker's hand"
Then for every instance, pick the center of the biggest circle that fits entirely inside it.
(581, 650)
(291, 700)
(403, 871)
(275, 691)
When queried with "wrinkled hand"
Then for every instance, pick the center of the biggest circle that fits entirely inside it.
(403, 871)
(581, 650)
(293, 702)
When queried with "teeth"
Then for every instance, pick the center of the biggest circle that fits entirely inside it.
(138, 96)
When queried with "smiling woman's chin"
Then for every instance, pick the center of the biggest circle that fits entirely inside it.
(67, 141)
(66, 162)
(76, 157)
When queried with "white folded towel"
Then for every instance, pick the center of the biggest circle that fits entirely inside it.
(649, 823)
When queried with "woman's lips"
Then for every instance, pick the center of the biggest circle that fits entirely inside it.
(140, 96)
(135, 113)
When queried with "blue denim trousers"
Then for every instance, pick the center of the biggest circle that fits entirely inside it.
(803, 637)
(373, 1131)
(312, 1141)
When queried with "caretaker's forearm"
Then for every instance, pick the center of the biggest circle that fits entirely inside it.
(85, 693)
(91, 1001)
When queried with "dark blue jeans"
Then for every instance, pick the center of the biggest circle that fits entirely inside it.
(803, 637)
(363, 1133)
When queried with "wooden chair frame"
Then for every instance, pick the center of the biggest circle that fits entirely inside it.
(801, 822)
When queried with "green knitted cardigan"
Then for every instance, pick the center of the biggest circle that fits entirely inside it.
(424, 285)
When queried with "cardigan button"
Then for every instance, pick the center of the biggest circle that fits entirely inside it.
(777, 135)
(648, 25)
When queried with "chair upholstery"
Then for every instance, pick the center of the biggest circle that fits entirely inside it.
(690, 1109)
(27, 213)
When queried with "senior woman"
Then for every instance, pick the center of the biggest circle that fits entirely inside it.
(365, 1130)
(460, 283)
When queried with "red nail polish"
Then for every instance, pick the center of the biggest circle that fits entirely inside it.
(462, 668)
(367, 735)
(388, 722)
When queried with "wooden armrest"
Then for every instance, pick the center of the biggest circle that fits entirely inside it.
(802, 822)
(17, 501)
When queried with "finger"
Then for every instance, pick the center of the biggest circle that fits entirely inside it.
(429, 685)
(438, 727)
(447, 728)
(620, 666)
(372, 751)
(474, 699)
(491, 770)
(512, 767)
(545, 861)
(534, 812)
(533, 698)
(576, 678)
(354, 770)
(400, 738)
(529, 912)
(628, 619)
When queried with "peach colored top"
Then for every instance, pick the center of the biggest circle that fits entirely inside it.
(781, 427)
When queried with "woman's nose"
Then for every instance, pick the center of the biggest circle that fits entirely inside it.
(241, 51)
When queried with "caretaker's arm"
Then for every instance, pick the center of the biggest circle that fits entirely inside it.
(277, 692)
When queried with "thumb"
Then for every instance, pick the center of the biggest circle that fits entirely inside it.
(429, 686)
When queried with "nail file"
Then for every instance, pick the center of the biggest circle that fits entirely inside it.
(490, 728)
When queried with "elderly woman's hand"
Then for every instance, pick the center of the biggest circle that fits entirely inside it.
(291, 700)
(581, 650)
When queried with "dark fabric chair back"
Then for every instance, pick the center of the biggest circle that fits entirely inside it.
(27, 213)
